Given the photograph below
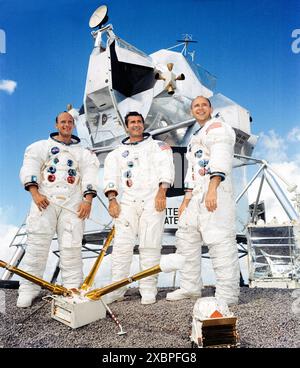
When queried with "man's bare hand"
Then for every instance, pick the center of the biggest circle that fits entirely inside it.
(40, 200)
(160, 200)
(211, 195)
(114, 208)
(84, 210)
(183, 206)
(211, 200)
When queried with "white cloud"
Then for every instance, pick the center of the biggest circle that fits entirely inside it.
(8, 86)
(294, 135)
(296, 158)
(272, 147)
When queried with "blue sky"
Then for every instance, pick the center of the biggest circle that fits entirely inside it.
(245, 44)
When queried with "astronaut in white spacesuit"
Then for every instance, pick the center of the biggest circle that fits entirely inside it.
(62, 178)
(140, 169)
(207, 213)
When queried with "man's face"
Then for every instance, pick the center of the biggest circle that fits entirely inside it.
(201, 110)
(65, 124)
(135, 127)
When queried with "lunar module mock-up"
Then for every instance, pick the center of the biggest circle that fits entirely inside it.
(161, 86)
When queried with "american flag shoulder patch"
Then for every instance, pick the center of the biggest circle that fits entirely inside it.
(163, 145)
(213, 126)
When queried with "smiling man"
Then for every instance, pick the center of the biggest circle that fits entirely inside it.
(207, 213)
(143, 169)
(62, 178)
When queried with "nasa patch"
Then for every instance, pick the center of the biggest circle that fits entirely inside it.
(54, 150)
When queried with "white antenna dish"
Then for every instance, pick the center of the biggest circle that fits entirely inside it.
(99, 17)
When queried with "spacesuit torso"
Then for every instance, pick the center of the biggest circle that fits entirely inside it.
(137, 169)
(58, 169)
(210, 153)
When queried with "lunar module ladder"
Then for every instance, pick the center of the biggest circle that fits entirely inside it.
(19, 241)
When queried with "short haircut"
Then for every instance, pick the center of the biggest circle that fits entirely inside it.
(207, 99)
(56, 119)
(133, 113)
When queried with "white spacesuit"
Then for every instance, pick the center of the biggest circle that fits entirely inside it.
(135, 171)
(209, 154)
(64, 174)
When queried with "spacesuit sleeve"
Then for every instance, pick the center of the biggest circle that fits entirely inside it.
(165, 164)
(34, 158)
(189, 182)
(90, 173)
(220, 142)
(111, 176)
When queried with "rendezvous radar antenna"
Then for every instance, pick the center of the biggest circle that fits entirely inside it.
(207, 78)
(185, 41)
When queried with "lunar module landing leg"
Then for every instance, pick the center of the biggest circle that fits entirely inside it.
(76, 308)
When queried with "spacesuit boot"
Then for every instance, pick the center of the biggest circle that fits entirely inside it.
(148, 298)
(25, 299)
(180, 294)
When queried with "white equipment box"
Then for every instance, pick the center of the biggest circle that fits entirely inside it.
(75, 311)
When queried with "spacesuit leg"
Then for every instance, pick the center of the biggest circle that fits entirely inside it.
(150, 239)
(219, 235)
(40, 226)
(188, 244)
(126, 226)
(69, 233)
(224, 257)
